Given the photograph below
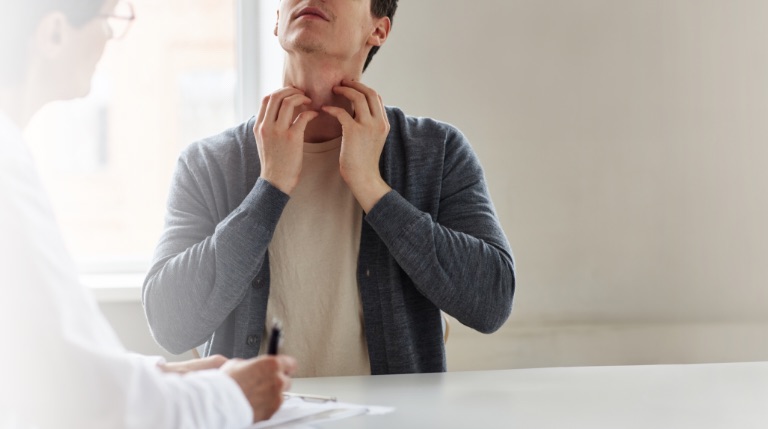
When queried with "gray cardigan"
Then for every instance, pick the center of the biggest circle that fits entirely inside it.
(433, 243)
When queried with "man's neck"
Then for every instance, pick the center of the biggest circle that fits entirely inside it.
(317, 77)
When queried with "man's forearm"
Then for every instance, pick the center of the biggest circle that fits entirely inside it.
(195, 284)
(469, 276)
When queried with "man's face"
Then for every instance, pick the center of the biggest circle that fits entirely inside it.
(337, 28)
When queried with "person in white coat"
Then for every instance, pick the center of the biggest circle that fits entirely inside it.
(61, 364)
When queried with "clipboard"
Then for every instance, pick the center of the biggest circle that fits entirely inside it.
(301, 409)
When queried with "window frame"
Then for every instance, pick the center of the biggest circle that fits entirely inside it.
(119, 278)
(249, 62)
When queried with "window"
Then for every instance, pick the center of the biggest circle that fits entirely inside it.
(107, 160)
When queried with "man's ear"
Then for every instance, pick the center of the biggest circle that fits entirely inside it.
(380, 31)
(52, 34)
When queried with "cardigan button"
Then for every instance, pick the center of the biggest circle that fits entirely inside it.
(251, 340)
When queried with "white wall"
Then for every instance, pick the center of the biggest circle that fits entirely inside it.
(625, 146)
(624, 143)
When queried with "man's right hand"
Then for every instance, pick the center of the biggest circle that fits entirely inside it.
(263, 381)
(280, 137)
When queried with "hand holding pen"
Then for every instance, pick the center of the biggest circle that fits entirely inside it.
(263, 380)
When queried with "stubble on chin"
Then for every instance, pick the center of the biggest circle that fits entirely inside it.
(308, 47)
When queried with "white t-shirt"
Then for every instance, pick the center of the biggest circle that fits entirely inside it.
(61, 364)
(313, 257)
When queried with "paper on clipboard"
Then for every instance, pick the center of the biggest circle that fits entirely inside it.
(296, 411)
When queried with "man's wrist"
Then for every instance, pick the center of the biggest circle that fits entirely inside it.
(282, 186)
(368, 191)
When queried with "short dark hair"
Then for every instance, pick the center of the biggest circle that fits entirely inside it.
(380, 9)
(18, 20)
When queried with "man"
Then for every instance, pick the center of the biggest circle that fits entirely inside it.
(349, 221)
(61, 364)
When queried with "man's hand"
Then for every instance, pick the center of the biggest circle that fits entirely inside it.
(210, 362)
(263, 381)
(363, 139)
(280, 137)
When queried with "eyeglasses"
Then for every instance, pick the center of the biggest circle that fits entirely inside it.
(120, 20)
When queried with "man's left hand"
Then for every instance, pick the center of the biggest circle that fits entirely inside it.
(210, 362)
(362, 141)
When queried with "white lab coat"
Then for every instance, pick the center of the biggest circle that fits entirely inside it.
(61, 364)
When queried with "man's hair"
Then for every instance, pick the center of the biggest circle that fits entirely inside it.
(18, 21)
(380, 9)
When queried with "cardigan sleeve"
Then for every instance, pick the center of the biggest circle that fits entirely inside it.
(461, 261)
(201, 269)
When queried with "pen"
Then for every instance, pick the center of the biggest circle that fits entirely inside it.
(274, 338)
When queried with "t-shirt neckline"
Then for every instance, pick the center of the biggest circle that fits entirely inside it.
(323, 146)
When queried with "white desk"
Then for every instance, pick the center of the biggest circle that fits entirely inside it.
(727, 396)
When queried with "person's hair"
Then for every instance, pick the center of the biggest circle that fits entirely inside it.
(18, 21)
(380, 9)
